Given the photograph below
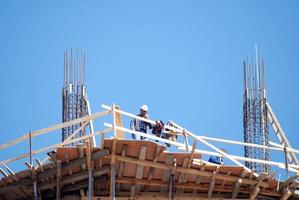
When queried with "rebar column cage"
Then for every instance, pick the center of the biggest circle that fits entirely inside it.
(74, 98)
(255, 119)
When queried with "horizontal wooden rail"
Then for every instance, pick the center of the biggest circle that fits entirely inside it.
(53, 128)
(182, 146)
(55, 146)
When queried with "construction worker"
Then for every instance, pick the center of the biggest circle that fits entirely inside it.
(158, 129)
(139, 125)
(217, 159)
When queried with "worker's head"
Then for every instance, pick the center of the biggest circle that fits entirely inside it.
(223, 150)
(143, 110)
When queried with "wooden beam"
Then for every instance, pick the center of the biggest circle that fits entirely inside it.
(184, 177)
(238, 185)
(139, 171)
(53, 128)
(58, 178)
(289, 181)
(287, 194)
(198, 178)
(48, 185)
(158, 151)
(185, 170)
(121, 165)
(202, 187)
(76, 177)
(53, 146)
(89, 167)
(112, 173)
(212, 183)
(3, 173)
(155, 159)
(167, 173)
(118, 121)
(39, 164)
(73, 163)
(256, 188)
(81, 155)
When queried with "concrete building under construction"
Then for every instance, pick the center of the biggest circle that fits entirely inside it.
(79, 167)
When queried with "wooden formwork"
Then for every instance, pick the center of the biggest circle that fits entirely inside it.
(143, 170)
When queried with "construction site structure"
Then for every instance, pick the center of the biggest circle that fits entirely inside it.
(255, 115)
(128, 169)
(74, 97)
(123, 169)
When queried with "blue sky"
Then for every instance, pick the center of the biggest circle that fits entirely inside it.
(181, 58)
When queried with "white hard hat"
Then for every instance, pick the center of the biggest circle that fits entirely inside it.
(144, 107)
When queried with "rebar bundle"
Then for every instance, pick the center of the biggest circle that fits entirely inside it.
(74, 98)
(255, 120)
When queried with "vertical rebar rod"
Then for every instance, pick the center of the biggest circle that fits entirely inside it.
(30, 147)
(255, 120)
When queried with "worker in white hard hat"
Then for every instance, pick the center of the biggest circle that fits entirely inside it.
(139, 125)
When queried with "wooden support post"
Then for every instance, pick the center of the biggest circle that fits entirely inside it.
(118, 120)
(35, 190)
(39, 163)
(14, 178)
(286, 195)
(81, 155)
(112, 175)
(172, 181)
(238, 185)
(139, 172)
(155, 159)
(167, 173)
(288, 182)
(256, 189)
(183, 177)
(89, 167)
(212, 184)
(121, 165)
(58, 178)
(198, 178)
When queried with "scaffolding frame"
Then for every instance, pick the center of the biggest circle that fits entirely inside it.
(119, 130)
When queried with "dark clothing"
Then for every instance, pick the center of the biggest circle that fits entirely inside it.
(140, 126)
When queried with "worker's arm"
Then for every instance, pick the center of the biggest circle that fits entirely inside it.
(132, 124)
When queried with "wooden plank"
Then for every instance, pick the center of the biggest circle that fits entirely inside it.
(89, 167)
(286, 195)
(202, 187)
(198, 178)
(238, 185)
(167, 173)
(53, 128)
(58, 178)
(256, 188)
(289, 181)
(139, 171)
(78, 162)
(81, 155)
(112, 173)
(185, 176)
(121, 165)
(118, 120)
(224, 182)
(53, 146)
(39, 163)
(212, 183)
(155, 159)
